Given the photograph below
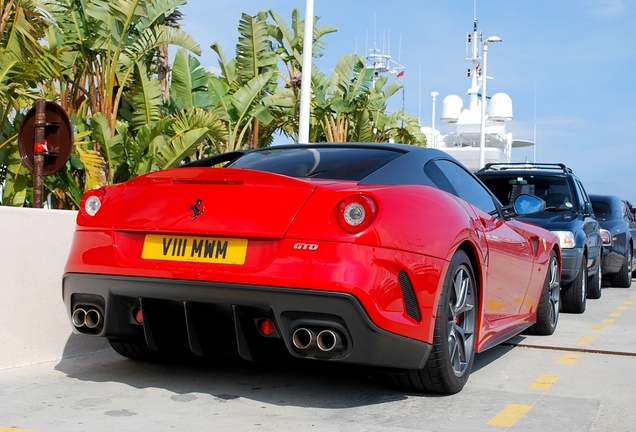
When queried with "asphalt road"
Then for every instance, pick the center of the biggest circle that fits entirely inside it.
(581, 378)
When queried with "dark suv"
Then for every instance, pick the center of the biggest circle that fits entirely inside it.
(568, 214)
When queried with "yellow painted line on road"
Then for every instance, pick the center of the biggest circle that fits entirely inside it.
(621, 308)
(569, 359)
(12, 429)
(609, 321)
(544, 382)
(597, 327)
(628, 303)
(616, 314)
(509, 415)
(584, 340)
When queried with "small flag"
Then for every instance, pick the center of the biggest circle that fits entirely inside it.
(400, 75)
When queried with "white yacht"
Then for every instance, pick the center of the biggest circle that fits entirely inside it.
(463, 142)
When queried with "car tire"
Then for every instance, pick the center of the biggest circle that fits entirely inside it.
(623, 279)
(595, 284)
(139, 352)
(548, 310)
(574, 294)
(453, 350)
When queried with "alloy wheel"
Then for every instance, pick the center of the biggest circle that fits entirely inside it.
(462, 321)
(555, 291)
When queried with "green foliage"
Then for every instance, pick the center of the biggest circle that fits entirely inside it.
(190, 82)
(102, 61)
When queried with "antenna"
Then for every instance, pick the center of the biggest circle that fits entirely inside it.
(375, 18)
(419, 94)
(379, 59)
(534, 126)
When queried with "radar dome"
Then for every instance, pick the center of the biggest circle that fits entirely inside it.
(452, 106)
(500, 107)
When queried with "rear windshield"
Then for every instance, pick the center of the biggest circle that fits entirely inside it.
(323, 163)
(601, 209)
(554, 190)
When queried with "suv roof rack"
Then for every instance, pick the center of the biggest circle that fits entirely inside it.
(501, 166)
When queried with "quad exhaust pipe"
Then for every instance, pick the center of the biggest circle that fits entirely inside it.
(318, 341)
(329, 340)
(90, 319)
(303, 338)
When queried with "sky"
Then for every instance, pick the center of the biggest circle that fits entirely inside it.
(568, 65)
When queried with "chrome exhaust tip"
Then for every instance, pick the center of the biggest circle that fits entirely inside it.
(79, 318)
(303, 338)
(329, 340)
(92, 318)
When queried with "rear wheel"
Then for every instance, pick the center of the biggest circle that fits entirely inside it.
(623, 279)
(139, 352)
(548, 310)
(574, 294)
(595, 283)
(453, 349)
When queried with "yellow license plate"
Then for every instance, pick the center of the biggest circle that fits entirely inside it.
(195, 249)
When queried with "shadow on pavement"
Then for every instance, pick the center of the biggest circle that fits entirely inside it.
(302, 383)
(293, 383)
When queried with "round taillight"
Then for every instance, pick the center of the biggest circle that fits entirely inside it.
(356, 213)
(92, 205)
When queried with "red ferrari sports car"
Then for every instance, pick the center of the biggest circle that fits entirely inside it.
(388, 256)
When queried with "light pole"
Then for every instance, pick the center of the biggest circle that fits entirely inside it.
(482, 135)
(433, 134)
(305, 84)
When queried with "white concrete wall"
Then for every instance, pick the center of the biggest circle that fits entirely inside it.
(34, 327)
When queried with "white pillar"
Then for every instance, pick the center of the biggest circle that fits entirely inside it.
(482, 129)
(482, 135)
(305, 87)
(433, 134)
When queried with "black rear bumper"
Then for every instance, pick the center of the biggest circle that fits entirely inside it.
(212, 318)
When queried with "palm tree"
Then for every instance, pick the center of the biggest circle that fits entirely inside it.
(107, 48)
(22, 63)
(244, 82)
(351, 106)
(289, 45)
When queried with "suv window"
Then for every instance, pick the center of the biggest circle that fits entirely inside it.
(583, 198)
(627, 215)
(554, 190)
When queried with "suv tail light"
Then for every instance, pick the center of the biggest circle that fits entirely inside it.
(606, 237)
(356, 213)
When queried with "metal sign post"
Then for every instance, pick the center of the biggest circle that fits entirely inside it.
(45, 142)
(39, 151)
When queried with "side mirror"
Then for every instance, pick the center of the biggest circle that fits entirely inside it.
(523, 205)
(588, 209)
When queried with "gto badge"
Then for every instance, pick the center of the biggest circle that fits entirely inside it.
(306, 246)
(196, 209)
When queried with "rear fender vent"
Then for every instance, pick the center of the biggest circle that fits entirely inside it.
(410, 300)
(535, 246)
